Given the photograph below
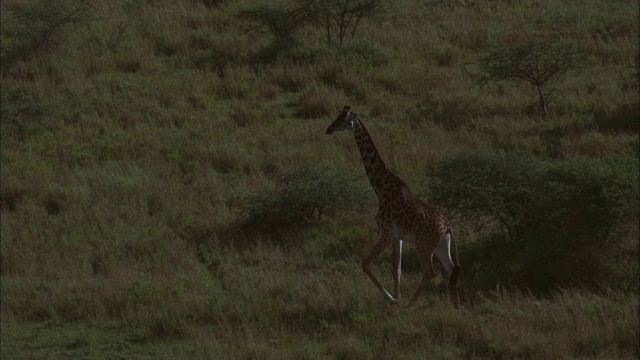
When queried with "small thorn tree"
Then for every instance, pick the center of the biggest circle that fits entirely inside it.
(338, 17)
(535, 62)
(281, 23)
(40, 26)
(343, 15)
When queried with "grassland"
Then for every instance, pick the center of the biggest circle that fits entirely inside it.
(143, 144)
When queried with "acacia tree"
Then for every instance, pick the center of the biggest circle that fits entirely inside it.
(40, 26)
(341, 16)
(344, 15)
(281, 23)
(535, 63)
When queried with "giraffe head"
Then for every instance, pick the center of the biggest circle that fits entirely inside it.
(344, 121)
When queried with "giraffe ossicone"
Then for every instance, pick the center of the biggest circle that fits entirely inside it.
(402, 216)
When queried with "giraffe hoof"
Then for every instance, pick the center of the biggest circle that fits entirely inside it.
(393, 300)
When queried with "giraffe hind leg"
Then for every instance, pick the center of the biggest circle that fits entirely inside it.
(428, 273)
(427, 276)
(453, 285)
(443, 252)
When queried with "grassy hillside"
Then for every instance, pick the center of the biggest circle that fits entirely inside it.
(168, 190)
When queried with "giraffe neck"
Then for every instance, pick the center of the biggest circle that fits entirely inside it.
(377, 171)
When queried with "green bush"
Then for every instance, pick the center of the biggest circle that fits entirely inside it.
(20, 113)
(281, 23)
(315, 102)
(621, 119)
(367, 52)
(279, 48)
(485, 186)
(552, 220)
(39, 27)
(303, 197)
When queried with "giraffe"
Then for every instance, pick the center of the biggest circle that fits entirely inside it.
(401, 217)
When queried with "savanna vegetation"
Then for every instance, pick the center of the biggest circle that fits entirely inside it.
(167, 189)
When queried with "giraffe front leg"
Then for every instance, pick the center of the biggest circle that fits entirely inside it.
(366, 267)
(397, 268)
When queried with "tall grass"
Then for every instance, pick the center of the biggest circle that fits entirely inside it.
(132, 146)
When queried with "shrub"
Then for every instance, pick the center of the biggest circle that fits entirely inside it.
(551, 219)
(281, 23)
(338, 17)
(221, 52)
(481, 186)
(277, 49)
(40, 25)
(213, 3)
(303, 197)
(19, 112)
(571, 226)
(315, 102)
(621, 119)
(366, 52)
